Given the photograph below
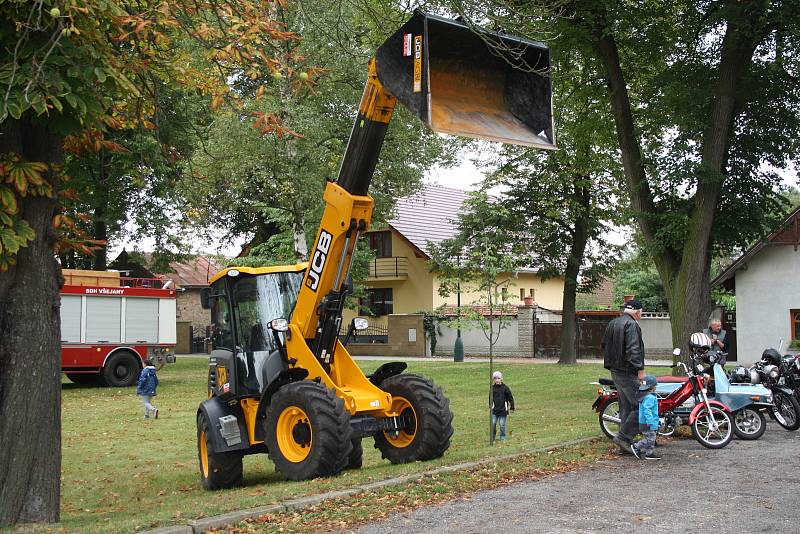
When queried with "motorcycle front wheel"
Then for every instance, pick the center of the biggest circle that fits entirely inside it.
(609, 418)
(714, 429)
(786, 411)
(749, 423)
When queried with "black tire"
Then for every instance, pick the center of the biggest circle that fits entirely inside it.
(786, 411)
(356, 457)
(217, 470)
(121, 370)
(749, 423)
(713, 439)
(429, 421)
(609, 418)
(84, 378)
(308, 431)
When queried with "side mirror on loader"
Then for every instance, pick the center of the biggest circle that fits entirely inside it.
(356, 325)
(279, 325)
(205, 298)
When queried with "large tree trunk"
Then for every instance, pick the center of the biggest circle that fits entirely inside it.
(685, 273)
(30, 351)
(580, 236)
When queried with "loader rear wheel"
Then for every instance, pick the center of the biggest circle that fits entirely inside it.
(217, 470)
(425, 418)
(121, 370)
(356, 457)
(308, 431)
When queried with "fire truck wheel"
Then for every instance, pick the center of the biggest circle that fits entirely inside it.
(307, 431)
(83, 378)
(217, 470)
(121, 370)
(425, 416)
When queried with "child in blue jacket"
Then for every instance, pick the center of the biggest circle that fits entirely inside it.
(146, 388)
(648, 420)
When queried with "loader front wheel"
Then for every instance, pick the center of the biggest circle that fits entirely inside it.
(217, 470)
(308, 431)
(425, 422)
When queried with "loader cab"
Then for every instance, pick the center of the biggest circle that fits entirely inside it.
(246, 354)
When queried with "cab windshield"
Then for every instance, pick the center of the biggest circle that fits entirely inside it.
(257, 300)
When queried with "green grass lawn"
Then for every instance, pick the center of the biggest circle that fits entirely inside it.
(122, 473)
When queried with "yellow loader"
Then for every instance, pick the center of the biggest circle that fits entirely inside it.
(281, 380)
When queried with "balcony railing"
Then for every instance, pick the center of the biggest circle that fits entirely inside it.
(393, 267)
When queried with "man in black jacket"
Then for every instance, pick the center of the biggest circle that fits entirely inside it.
(623, 351)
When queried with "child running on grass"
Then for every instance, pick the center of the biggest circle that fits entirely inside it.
(648, 420)
(146, 388)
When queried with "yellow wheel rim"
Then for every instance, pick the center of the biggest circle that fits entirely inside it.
(203, 455)
(402, 407)
(294, 434)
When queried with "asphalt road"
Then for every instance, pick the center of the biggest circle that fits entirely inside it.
(750, 486)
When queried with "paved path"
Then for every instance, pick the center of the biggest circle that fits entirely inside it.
(750, 486)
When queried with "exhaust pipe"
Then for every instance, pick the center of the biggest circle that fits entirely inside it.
(476, 84)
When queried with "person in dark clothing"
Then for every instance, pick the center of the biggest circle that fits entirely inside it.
(502, 401)
(623, 353)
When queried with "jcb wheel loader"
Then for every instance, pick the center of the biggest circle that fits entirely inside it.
(280, 379)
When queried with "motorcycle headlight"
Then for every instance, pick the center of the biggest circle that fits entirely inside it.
(769, 397)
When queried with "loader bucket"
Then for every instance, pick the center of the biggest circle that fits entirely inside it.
(472, 83)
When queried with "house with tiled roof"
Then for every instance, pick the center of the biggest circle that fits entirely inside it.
(767, 290)
(399, 279)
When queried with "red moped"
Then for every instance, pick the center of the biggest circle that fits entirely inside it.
(710, 420)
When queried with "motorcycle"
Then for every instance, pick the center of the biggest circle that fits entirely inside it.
(710, 420)
(748, 402)
(773, 371)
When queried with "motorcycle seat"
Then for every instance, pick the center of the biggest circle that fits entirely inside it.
(672, 379)
(606, 381)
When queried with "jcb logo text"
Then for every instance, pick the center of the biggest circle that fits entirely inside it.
(318, 261)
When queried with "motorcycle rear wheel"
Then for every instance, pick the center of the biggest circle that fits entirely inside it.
(609, 418)
(749, 423)
(713, 439)
(788, 408)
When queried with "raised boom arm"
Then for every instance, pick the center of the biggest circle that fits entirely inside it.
(486, 86)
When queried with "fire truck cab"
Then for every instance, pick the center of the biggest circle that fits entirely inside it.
(111, 324)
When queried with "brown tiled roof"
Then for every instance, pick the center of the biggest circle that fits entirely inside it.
(429, 215)
(192, 273)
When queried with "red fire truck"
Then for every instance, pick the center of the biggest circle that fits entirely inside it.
(109, 325)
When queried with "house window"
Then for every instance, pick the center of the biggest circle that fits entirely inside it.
(795, 317)
(522, 293)
(381, 244)
(377, 301)
(532, 293)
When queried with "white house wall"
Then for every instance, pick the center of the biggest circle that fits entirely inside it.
(765, 292)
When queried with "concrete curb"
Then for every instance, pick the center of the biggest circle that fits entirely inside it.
(199, 526)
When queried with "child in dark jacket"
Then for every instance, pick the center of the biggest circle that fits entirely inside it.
(146, 388)
(502, 401)
(648, 420)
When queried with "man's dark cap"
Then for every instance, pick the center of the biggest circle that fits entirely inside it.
(633, 305)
